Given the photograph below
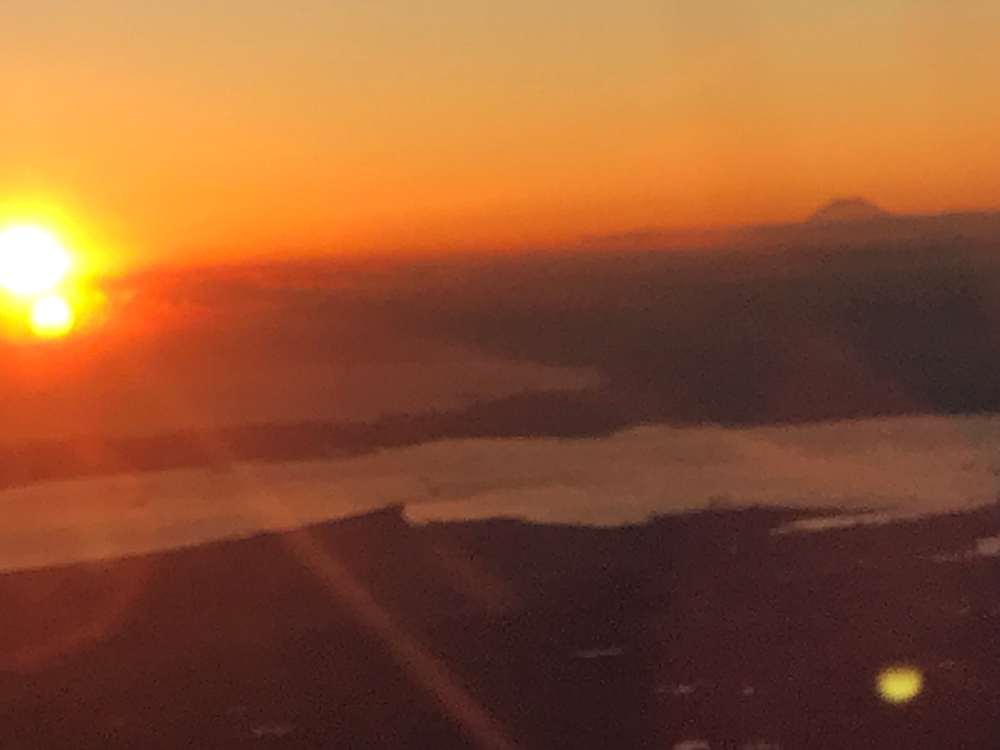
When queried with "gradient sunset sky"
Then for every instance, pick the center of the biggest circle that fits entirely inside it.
(173, 130)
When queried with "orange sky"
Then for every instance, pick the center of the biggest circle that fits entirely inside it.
(174, 130)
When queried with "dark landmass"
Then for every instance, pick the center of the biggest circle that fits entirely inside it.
(777, 332)
(583, 414)
(371, 632)
(748, 338)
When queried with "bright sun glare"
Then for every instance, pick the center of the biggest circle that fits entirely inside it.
(32, 266)
(52, 316)
(31, 260)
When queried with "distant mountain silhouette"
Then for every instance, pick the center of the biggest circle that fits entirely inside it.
(848, 209)
(844, 222)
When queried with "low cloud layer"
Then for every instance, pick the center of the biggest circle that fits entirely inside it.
(908, 465)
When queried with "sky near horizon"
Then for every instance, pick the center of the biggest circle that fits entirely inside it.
(173, 130)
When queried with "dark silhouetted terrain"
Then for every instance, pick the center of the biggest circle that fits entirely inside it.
(701, 626)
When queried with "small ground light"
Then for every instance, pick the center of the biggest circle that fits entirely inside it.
(899, 684)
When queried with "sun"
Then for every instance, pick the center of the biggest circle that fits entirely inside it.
(52, 316)
(33, 270)
(31, 260)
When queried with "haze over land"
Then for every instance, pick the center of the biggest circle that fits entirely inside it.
(814, 320)
(448, 384)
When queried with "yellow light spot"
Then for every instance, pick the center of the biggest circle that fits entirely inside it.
(31, 260)
(900, 684)
(52, 316)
